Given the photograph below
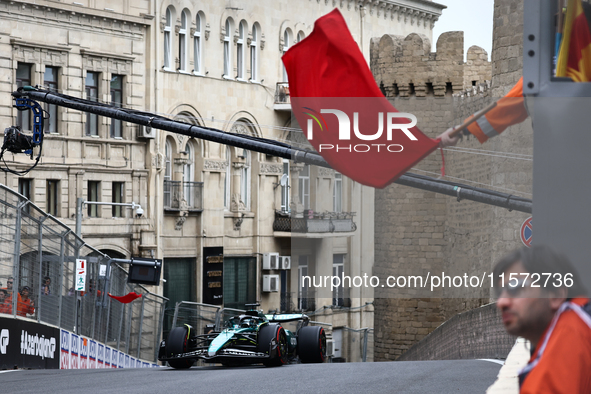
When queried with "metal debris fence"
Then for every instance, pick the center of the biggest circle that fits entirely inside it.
(35, 246)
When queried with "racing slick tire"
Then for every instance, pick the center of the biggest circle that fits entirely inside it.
(312, 344)
(268, 334)
(176, 343)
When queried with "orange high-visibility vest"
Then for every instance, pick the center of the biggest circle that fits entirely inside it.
(510, 110)
(562, 360)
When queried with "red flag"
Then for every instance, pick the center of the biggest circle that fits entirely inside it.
(126, 299)
(574, 59)
(339, 106)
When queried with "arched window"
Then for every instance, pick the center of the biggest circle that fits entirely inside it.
(167, 173)
(198, 43)
(227, 46)
(168, 39)
(254, 54)
(183, 42)
(228, 178)
(245, 179)
(287, 41)
(240, 50)
(301, 36)
(189, 175)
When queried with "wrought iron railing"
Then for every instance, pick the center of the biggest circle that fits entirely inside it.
(193, 194)
(183, 195)
(294, 302)
(172, 194)
(314, 222)
(282, 95)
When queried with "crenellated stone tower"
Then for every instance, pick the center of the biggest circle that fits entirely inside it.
(405, 66)
(419, 231)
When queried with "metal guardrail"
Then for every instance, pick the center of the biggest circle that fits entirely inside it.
(362, 337)
(39, 252)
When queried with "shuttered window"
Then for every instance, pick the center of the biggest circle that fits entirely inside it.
(239, 281)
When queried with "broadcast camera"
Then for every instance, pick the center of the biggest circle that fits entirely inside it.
(15, 141)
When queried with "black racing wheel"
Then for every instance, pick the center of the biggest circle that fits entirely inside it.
(272, 336)
(312, 344)
(177, 343)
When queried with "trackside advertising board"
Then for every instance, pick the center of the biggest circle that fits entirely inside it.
(27, 344)
(78, 352)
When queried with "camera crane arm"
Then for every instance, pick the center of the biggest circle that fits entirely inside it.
(16, 141)
(262, 145)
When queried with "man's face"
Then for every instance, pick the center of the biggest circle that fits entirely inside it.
(25, 293)
(9, 284)
(527, 313)
(2, 296)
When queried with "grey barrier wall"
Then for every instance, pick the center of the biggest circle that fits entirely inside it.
(475, 334)
(34, 246)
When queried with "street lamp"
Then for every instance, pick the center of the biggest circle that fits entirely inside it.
(139, 212)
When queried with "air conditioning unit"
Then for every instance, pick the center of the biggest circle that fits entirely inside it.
(329, 348)
(270, 283)
(146, 132)
(285, 262)
(270, 261)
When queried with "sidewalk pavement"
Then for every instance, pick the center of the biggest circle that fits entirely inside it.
(507, 381)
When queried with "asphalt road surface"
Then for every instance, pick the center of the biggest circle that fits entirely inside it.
(466, 376)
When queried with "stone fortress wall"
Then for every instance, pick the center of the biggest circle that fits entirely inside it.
(418, 231)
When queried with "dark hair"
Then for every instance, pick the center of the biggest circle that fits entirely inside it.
(4, 291)
(540, 259)
(46, 277)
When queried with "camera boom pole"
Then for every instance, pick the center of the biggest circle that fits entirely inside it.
(270, 147)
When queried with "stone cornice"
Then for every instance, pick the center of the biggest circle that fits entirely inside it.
(34, 44)
(143, 19)
(405, 11)
(421, 5)
(86, 52)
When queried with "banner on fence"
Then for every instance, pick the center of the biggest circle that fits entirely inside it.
(25, 344)
(78, 352)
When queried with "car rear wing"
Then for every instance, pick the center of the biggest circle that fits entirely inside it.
(284, 318)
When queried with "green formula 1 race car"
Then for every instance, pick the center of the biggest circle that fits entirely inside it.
(250, 338)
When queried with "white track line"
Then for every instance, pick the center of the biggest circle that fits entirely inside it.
(492, 360)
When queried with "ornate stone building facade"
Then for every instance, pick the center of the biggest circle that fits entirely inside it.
(213, 64)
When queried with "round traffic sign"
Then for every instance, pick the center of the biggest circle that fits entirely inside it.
(526, 232)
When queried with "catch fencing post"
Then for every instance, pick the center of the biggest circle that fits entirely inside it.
(139, 336)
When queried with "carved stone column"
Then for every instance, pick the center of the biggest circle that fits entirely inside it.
(177, 197)
(236, 203)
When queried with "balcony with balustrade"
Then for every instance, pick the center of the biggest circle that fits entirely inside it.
(310, 224)
(282, 97)
(183, 196)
